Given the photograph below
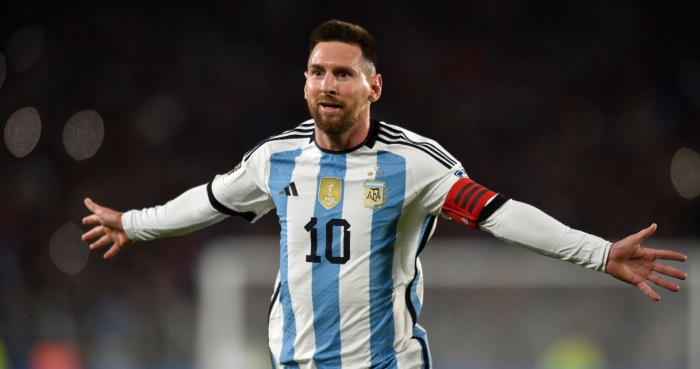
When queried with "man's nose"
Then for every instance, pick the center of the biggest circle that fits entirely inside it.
(328, 85)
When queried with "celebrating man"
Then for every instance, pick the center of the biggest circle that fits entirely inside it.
(357, 200)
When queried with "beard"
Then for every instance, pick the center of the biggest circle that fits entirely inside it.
(337, 124)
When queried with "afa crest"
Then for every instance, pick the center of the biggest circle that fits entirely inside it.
(329, 191)
(374, 194)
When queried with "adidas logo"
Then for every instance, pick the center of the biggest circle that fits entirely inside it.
(291, 190)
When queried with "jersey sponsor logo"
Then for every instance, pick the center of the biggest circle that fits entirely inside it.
(461, 173)
(374, 194)
(228, 177)
(329, 191)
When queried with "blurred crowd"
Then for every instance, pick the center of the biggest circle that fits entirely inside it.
(574, 107)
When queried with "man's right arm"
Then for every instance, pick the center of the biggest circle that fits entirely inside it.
(240, 192)
(187, 213)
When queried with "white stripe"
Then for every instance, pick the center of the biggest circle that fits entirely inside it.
(300, 213)
(412, 357)
(354, 275)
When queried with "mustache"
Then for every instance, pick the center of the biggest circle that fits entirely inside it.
(327, 99)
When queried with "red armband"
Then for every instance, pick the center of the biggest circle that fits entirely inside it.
(465, 201)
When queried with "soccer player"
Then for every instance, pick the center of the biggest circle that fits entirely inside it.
(357, 201)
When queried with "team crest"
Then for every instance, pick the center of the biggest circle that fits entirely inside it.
(374, 194)
(329, 191)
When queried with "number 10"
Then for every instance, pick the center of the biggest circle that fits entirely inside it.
(311, 228)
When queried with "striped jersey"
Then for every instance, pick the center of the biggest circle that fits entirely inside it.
(353, 223)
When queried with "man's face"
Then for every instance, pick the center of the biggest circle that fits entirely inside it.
(337, 89)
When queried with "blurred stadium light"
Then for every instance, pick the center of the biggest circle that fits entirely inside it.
(685, 173)
(22, 131)
(83, 134)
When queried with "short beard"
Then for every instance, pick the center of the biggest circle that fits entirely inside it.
(348, 119)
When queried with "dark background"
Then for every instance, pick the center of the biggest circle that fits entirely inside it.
(576, 108)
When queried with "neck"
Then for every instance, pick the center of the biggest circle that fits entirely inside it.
(352, 138)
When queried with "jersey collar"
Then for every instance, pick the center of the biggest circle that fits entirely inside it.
(369, 140)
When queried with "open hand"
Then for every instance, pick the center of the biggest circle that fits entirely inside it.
(630, 262)
(108, 229)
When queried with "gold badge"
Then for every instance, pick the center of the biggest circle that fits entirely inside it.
(329, 191)
(374, 194)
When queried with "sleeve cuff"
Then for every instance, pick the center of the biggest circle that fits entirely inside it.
(127, 224)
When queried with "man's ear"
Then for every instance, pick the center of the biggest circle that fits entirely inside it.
(375, 87)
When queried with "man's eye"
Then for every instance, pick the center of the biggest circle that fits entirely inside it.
(342, 74)
(316, 73)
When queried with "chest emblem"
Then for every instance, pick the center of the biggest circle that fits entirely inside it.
(374, 194)
(329, 191)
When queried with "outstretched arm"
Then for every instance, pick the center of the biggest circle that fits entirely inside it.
(529, 227)
(633, 263)
(108, 229)
(187, 213)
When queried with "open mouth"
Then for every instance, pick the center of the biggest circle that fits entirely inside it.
(330, 106)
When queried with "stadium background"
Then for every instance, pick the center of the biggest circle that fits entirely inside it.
(576, 108)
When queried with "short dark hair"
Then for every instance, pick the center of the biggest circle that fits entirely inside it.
(335, 30)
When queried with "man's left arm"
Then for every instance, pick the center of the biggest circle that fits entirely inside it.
(524, 225)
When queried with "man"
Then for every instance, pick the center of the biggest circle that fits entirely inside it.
(357, 201)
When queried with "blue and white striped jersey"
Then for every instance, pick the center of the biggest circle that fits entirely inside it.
(350, 285)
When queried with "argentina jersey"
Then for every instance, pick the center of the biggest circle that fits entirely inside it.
(350, 287)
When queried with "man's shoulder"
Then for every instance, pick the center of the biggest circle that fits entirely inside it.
(401, 138)
(297, 136)
(393, 130)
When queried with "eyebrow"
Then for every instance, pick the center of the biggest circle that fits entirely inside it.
(333, 68)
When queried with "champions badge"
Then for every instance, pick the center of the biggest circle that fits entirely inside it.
(329, 191)
(374, 194)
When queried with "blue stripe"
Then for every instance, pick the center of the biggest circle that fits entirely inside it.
(281, 168)
(419, 332)
(325, 275)
(417, 303)
(381, 283)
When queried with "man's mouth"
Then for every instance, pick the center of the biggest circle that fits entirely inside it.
(326, 106)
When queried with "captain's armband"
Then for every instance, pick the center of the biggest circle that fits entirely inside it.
(469, 203)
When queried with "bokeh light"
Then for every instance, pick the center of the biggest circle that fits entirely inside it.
(55, 355)
(24, 47)
(573, 353)
(4, 359)
(83, 134)
(68, 252)
(22, 131)
(685, 173)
